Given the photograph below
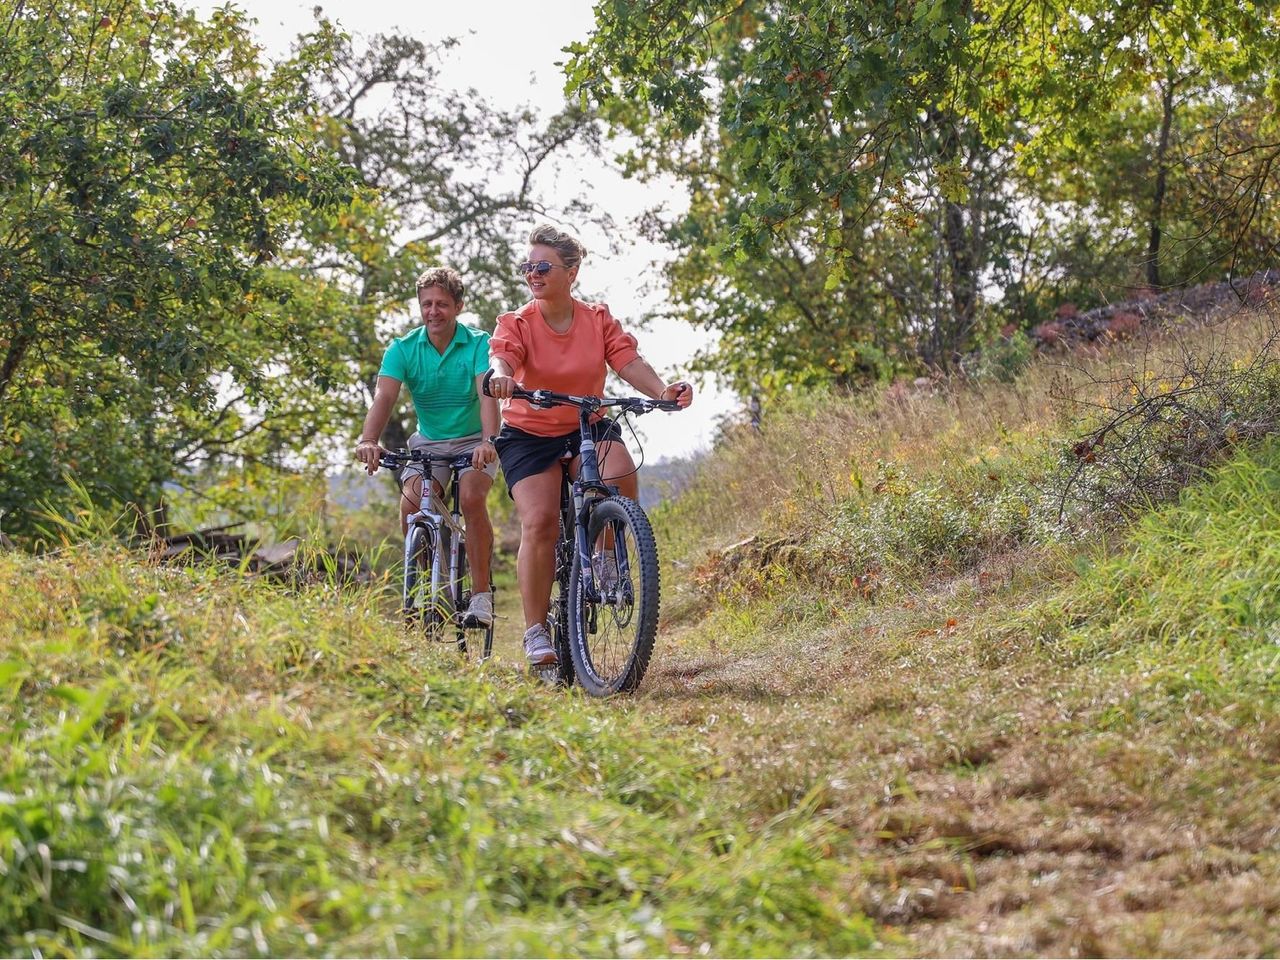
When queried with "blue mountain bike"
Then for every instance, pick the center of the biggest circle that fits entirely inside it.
(606, 592)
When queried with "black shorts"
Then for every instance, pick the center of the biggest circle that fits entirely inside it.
(526, 454)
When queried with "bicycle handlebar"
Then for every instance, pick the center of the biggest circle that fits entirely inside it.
(549, 398)
(398, 458)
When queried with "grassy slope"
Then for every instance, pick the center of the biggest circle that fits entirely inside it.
(1030, 743)
(913, 697)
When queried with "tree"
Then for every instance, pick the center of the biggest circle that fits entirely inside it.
(151, 168)
(932, 144)
(447, 177)
(853, 204)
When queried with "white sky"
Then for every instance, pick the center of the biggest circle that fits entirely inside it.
(508, 52)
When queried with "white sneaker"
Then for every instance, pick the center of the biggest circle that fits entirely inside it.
(538, 648)
(479, 610)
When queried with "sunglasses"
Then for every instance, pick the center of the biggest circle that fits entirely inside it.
(541, 268)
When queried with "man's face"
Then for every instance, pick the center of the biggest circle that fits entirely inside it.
(439, 309)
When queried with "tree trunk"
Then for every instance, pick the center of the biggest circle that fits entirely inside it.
(1157, 201)
(18, 347)
(962, 282)
(963, 286)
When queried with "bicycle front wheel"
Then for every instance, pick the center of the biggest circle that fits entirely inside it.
(416, 559)
(611, 635)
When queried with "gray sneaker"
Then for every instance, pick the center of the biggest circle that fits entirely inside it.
(538, 648)
(479, 610)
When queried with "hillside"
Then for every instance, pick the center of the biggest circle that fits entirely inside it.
(977, 669)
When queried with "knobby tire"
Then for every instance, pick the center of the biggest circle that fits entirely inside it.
(414, 544)
(465, 588)
(558, 612)
(605, 665)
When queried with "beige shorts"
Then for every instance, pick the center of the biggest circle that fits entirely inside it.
(444, 448)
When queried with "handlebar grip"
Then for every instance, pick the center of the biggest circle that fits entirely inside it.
(484, 384)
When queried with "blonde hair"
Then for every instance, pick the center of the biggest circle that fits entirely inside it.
(444, 277)
(565, 244)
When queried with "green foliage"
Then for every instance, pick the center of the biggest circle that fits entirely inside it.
(198, 764)
(1196, 576)
(871, 173)
(836, 210)
(1001, 358)
(151, 168)
(902, 530)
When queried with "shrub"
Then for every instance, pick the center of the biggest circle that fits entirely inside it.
(1124, 325)
(1161, 427)
(1002, 359)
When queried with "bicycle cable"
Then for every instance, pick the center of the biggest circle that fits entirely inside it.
(626, 416)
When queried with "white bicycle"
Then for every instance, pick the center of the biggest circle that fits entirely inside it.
(437, 578)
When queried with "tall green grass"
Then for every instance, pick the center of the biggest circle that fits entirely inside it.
(194, 763)
(1197, 581)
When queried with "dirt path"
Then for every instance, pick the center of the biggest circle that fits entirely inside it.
(990, 801)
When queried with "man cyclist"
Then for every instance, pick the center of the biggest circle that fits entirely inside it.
(443, 363)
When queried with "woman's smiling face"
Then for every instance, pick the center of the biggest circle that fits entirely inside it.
(556, 283)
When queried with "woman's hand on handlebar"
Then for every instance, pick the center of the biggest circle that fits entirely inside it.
(503, 387)
(680, 391)
(497, 385)
(369, 452)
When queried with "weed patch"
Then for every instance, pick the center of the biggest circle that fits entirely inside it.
(197, 764)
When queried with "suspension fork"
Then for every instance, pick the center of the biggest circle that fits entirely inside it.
(588, 488)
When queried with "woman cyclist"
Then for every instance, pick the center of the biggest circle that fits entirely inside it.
(556, 342)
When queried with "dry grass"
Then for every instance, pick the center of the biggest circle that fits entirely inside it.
(991, 802)
(1020, 760)
(819, 453)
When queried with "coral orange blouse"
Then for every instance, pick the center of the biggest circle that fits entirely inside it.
(570, 362)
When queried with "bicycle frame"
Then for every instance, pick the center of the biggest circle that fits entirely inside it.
(587, 487)
(438, 521)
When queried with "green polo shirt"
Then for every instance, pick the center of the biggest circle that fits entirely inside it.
(443, 385)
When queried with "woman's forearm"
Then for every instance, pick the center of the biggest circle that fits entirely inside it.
(643, 377)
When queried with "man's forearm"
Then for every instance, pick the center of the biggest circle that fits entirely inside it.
(490, 417)
(378, 417)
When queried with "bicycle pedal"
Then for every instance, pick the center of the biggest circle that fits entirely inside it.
(546, 672)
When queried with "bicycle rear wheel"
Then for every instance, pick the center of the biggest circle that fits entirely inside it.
(558, 623)
(611, 637)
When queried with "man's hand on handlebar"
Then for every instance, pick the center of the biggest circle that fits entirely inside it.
(369, 452)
